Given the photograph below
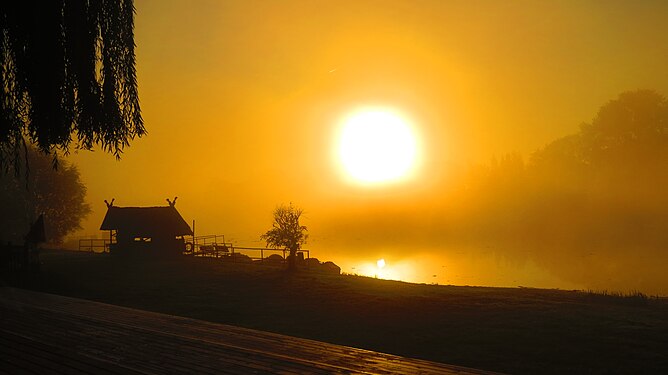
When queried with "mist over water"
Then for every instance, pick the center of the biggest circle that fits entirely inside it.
(586, 211)
(474, 267)
(499, 268)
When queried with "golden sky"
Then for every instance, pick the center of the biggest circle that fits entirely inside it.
(242, 100)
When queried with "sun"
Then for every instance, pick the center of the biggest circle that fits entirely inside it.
(377, 146)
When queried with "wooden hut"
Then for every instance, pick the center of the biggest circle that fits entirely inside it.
(146, 230)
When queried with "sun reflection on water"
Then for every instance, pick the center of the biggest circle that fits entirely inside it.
(401, 270)
(458, 268)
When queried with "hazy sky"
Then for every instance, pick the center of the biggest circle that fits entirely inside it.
(242, 99)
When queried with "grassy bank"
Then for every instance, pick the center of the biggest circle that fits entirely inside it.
(515, 330)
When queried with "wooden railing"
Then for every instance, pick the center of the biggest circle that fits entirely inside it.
(94, 245)
(216, 247)
(205, 246)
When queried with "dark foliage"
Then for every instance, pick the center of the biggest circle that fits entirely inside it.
(57, 193)
(590, 207)
(68, 73)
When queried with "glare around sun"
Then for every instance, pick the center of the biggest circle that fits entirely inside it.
(376, 146)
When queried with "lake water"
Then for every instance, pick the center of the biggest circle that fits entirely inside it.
(613, 271)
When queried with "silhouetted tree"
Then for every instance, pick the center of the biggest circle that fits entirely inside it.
(57, 193)
(633, 127)
(286, 232)
(67, 70)
(622, 151)
(604, 184)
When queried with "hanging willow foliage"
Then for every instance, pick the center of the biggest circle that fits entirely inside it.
(68, 73)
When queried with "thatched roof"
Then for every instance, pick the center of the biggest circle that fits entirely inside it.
(146, 221)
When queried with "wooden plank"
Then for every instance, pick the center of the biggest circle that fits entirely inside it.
(147, 342)
(235, 361)
(35, 357)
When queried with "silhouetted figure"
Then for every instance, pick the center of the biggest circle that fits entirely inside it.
(36, 234)
(26, 257)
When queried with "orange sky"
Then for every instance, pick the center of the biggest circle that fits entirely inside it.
(242, 99)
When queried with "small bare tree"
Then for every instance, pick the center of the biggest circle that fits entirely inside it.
(286, 232)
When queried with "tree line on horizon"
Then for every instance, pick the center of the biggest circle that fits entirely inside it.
(590, 207)
(602, 186)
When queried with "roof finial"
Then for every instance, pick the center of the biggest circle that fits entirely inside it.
(110, 204)
(172, 203)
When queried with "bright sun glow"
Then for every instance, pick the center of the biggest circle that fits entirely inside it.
(377, 146)
(393, 269)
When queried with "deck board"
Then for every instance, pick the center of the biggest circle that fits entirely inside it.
(44, 333)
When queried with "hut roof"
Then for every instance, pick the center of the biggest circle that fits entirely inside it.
(146, 221)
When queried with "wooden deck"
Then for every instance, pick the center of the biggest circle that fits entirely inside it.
(43, 333)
